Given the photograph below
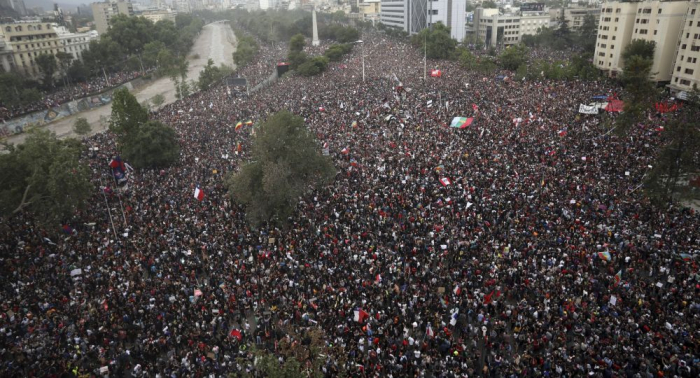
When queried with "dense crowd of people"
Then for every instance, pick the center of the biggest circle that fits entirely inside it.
(68, 93)
(519, 246)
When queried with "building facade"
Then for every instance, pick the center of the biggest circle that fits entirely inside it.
(494, 28)
(74, 43)
(26, 41)
(159, 15)
(620, 23)
(451, 13)
(407, 15)
(686, 68)
(103, 13)
(574, 16)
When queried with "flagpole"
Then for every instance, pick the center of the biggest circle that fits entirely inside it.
(109, 212)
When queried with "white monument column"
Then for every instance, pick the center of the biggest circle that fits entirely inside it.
(314, 41)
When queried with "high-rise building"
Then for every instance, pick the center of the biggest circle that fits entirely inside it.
(686, 69)
(407, 15)
(620, 23)
(103, 12)
(16, 5)
(451, 13)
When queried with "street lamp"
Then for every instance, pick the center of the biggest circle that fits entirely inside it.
(363, 58)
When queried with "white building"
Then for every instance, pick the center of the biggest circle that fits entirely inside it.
(407, 15)
(74, 43)
(494, 28)
(451, 13)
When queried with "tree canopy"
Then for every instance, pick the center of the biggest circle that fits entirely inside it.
(640, 90)
(154, 145)
(45, 178)
(286, 163)
(127, 114)
(440, 45)
(514, 56)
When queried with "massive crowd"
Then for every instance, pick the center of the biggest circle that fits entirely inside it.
(519, 246)
(69, 93)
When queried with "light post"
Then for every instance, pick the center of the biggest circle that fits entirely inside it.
(363, 58)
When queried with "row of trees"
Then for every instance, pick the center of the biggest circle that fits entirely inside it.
(134, 43)
(563, 38)
(273, 26)
(246, 49)
(301, 62)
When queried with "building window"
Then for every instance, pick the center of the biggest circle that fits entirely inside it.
(434, 11)
(655, 32)
(601, 54)
(678, 69)
(642, 31)
(685, 82)
(694, 48)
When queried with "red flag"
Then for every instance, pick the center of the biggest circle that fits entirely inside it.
(487, 298)
(237, 334)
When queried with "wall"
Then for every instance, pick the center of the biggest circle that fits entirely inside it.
(40, 118)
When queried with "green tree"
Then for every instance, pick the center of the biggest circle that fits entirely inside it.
(47, 65)
(641, 48)
(151, 51)
(440, 45)
(45, 178)
(81, 126)
(587, 34)
(678, 161)
(127, 114)
(131, 33)
(514, 56)
(158, 100)
(640, 90)
(296, 59)
(313, 66)
(285, 163)
(64, 63)
(335, 52)
(489, 4)
(209, 75)
(15, 91)
(296, 43)
(154, 145)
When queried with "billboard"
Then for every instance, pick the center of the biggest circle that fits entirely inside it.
(532, 7)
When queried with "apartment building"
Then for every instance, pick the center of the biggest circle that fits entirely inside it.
(686, 71)
(573, 16)
(407, 15)
(26, 40)
(158, 15)
(622, 22)
(103, 12)
(494, 28)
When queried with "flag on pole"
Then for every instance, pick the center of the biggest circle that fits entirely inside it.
(457, 290)
(445, 181)
(345, 151)
(435, 73)
(562, 132)
(487, 298)
(198, 194)
(239, 125)
(429, 331)
(604, 255)
(249, 123)
(360, 315)
(618, 277)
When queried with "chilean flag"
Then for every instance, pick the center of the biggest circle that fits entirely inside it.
(429, 331)
(360, 315)
(345, 151)
(198, 194)
(457, 290)
(445, 181)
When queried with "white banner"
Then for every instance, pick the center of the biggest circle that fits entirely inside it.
(587, 109)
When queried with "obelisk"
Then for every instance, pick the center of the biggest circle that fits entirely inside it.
(314, 41)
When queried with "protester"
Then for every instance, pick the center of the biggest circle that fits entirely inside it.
(518, 246)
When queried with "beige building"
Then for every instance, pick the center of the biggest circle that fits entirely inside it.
(159, 15)
(504, 29)
(574, 16)
(25, 41)
(103, 12)
(686, 71)
(656, 21)
(7, 62)
(370, 10)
